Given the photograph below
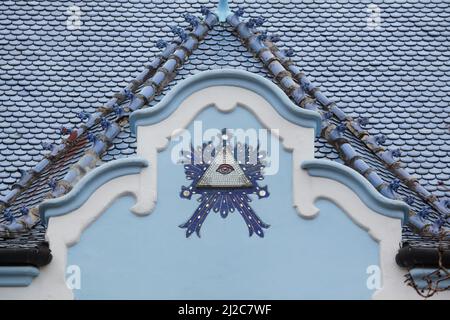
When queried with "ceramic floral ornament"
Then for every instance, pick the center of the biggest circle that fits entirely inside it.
(225, 182)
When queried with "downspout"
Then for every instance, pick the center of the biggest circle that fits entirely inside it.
(422, 257)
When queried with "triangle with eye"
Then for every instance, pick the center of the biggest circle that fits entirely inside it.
(224, 172)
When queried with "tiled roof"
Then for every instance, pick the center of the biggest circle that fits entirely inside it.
(397, 77)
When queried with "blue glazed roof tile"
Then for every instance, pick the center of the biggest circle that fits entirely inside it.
(397, 76)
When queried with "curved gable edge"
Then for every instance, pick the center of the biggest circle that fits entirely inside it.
(237, 78)
(88, 184)
(365, 191)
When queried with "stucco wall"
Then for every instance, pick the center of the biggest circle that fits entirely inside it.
(125, 256)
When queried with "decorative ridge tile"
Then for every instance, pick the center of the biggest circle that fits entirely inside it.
(308, 96)
(151, 80)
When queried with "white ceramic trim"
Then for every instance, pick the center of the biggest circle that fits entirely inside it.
(385, 230)
(155, 138)
(63, 232)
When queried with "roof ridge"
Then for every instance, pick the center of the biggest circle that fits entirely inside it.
(150, 81)
(308, 96)
(374, 144)
(289, 78)
(74, 135)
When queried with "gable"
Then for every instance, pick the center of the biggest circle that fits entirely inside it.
(69, 161)
(156, 188)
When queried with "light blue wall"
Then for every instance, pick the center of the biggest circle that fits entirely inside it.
(125, 256)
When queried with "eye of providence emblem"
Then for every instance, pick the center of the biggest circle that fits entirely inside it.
(225, 182)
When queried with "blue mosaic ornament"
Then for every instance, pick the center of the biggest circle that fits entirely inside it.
(224, 183)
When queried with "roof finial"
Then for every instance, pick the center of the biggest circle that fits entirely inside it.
(223, 10)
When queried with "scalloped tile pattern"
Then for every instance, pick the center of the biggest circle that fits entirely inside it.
(398, 76)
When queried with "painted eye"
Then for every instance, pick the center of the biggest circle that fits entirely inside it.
(225, 169)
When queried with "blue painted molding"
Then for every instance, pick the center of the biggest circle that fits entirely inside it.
(88, 184)
(227, 77)
(356, 182)
(17, 276)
